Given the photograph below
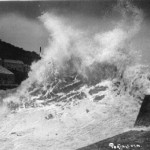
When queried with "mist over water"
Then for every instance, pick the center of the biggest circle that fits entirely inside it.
(75, 65)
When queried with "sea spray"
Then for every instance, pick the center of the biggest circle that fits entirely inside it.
(87, 83)
(72, 51)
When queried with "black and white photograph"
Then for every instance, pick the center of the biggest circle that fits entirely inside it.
(75, 75)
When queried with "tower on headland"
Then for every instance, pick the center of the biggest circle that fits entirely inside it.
(40, 51)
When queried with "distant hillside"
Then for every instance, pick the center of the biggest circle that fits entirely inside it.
(8, 51)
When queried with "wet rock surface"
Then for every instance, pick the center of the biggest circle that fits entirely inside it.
(143, 118)
(98, 98)
(66, 90)
(131, 140)
(97, 89)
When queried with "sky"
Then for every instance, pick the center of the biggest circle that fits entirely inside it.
(20, 24)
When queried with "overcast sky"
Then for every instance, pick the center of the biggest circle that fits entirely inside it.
(20, 24)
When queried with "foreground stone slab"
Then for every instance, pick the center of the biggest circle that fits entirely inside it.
(131, 140)
(143, 118)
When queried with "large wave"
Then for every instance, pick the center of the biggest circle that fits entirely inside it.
(91, 83)
(92, 57)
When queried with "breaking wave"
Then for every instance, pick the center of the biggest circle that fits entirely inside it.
(90, 58)
(82, 73)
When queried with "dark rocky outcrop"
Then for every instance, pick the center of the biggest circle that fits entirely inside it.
(97, 89)
(143, 118)
(98, 98)
(131, 140)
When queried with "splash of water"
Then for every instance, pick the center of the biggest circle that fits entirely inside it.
(89, 83)
(75, 53)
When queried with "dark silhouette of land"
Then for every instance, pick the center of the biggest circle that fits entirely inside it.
(16, 60)
(9, 51)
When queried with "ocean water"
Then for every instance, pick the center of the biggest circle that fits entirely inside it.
(84, 89)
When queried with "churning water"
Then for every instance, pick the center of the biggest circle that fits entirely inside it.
(87, 87)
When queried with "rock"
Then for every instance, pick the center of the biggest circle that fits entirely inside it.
(143, 118)
(87, 110)
(49, 116)
(15, 133)
(80, 96)
(97, 89)
(98, 98)
(131, 140)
